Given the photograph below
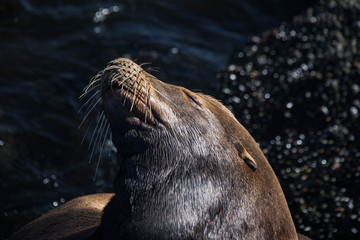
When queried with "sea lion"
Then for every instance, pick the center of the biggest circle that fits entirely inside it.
(187, 168)
(76, 219)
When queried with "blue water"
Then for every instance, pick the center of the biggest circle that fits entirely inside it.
(50, 50)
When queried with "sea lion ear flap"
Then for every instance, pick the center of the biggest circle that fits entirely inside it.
(249, 160)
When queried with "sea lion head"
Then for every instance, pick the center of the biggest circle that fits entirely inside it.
(173, 120)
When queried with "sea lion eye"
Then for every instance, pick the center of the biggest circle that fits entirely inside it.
(194, 100)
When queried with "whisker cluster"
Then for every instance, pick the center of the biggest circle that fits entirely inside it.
(93, 112)
(122, 76)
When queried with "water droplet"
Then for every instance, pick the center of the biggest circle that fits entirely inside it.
(287, 114)
(174, 50)
(97, 29)
(55, 204)
(46, 180)
(115, 8)
(325, 110)
(304, 67)
(227, 91)
(256, 39)
(242, 88)
(105, 11)
(354, 111)
(231, 67)
(236, 99)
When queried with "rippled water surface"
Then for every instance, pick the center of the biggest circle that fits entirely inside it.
(50, 50)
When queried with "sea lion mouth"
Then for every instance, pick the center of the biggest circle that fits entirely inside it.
(127, 93)
(126, 84)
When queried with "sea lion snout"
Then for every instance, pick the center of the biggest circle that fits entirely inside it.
(125, 87)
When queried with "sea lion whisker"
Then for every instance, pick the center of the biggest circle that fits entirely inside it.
(125, 97)
(90, 101)
(112, 67)
(122, 83)
(137, 82)
(94, 80)
(101, 150)
(89, 90)
(133, 101)
(146, 99)
(88, 109)
(128, 90)
(115, 77)
(145, 95)
(99, 115)
(100, 131)
(119, 69)
(95, 144)
(87, 129)
(145, 63)
(153, 69)
(92, 108)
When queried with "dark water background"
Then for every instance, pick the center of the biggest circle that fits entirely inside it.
(50, 50)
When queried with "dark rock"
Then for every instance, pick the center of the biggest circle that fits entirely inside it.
(297, 89)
